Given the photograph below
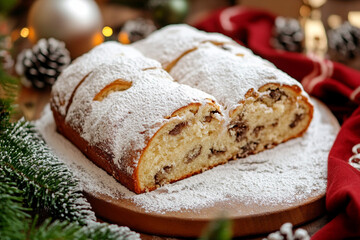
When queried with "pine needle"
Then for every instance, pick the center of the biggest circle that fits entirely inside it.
(12, 215)
(55, 230)
(100, 231)
(31, 177)
(46, 183)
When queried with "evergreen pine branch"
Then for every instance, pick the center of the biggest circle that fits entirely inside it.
(65, 230)
(15, 222)
(31, 174)
(100, 231)
(46, 183)
(13, 215)
(55, 230)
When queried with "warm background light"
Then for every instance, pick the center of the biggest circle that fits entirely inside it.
(107, 31)
(305, 11)
(123, 37)
(97, 39)
(354, 18)
(24, 32)
(334, 21)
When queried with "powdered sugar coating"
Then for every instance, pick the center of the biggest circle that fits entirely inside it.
(278, 176)
(246, 54)
(123, 122)
(226, 76)
(168, 43)
(73, 74)
(127, 69)
(226, 71)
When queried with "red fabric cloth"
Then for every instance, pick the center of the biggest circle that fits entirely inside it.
(334, 83)
(337, 85)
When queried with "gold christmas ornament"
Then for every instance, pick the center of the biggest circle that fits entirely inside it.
(76, 22)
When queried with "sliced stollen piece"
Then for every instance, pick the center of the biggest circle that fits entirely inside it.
(265, 106)
(130, 118)
(170, 43)
(83, 65)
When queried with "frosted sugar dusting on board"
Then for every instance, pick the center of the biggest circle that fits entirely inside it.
(291, 172)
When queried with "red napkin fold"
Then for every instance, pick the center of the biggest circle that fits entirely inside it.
(335, 84)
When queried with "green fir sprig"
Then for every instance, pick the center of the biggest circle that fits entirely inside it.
(54, 230)
(46, 183)
(33, 181)
(12, 214)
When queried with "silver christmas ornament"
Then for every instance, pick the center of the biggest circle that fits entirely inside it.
(76, 22)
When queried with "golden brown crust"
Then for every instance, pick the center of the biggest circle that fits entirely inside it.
(117, 85)
(74, 91)
(169, 66)
(173, 63)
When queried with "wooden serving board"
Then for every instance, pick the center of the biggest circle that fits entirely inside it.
(248, 219)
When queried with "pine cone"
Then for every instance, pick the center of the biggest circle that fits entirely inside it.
(41, 65)
(344, 42)
(137, 29)
(288, 35)
(286, 233)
